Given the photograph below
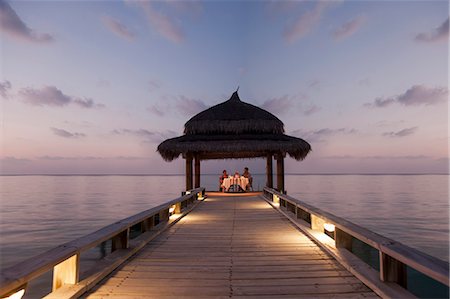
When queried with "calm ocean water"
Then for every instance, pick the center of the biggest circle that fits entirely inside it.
(40, 212)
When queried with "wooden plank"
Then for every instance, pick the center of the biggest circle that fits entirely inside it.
(224, 248)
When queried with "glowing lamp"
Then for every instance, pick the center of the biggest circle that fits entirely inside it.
(171, 209)
(329, 227)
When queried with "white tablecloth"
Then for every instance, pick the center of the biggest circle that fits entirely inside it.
(241, 181)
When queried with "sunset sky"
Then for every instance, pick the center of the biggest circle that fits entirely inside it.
(92, 87)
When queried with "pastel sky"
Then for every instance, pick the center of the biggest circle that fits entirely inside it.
(92, 87)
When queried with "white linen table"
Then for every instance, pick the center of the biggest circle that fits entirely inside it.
(230, 181)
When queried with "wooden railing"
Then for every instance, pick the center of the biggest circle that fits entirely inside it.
(65, 259)
(394, 257)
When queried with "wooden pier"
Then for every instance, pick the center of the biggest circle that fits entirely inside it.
(232, 247)
(252, 245)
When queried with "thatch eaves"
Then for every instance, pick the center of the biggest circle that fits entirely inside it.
(232, 146)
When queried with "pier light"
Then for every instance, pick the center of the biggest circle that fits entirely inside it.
(188, 192)
(17, 295)
(200, 196)
(276, 200)
(172, 209)
(329, 227)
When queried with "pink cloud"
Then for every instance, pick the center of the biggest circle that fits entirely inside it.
(52, 96)
(278, 105)
(401, 133)
(305, 23)
(437, 35)
(12, 25)
(349, 28)
(416, 95)
(164, 24)
(66, 134)
(5, 87)
(118, 28)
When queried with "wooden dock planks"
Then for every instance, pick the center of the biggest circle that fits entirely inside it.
(231, 247)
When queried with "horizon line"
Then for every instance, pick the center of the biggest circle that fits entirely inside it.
(182, 174)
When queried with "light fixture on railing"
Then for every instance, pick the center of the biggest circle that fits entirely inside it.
(276, 200)
(188, 192)
(171, 210)
(17, 295)
(329, 227)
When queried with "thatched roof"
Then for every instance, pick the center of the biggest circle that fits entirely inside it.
(234, 129)
(234, 117)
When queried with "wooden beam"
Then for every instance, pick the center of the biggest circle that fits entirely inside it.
(392, 270)
(121, 241)
(66, 272)
(189, 172)
(280, 173)
(269, 171)
(197, 171)
(343, 240)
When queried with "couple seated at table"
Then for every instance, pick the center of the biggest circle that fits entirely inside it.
(236, 182)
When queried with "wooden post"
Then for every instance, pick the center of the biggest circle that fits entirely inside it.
(66, 272)
(147, 224)
(342, 239)
(280, 173)
(164, 215)
(120, 241)
(269, 171)
(392, 270)
(197, 171)
(177, 208)
(188, 172)
(317, 223)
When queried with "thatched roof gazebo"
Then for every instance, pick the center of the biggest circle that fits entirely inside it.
(234, 129)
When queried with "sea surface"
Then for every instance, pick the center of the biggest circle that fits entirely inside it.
(40, 212)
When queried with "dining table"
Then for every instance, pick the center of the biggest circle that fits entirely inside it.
(229, 182)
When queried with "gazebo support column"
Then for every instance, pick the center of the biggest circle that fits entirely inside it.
(269, 171)
(188, 173)
(197, 171)
(280, 173)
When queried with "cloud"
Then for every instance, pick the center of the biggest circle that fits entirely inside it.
(415, 96)
(13, 26)
(10, 159)
(52, 96)
(47, 96)
(279, 105)
(66, 134)
(311, 110)
(138, 132)
(321, 134)
(156, 110)
(349, 28)
(153, 85)
(148, 136)
(401, 133)
(189, 106)
(118, 28)
(437, 35)
(422, 95)
(5, 87)
(89, 158)
(306, 22)
(165, 25)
